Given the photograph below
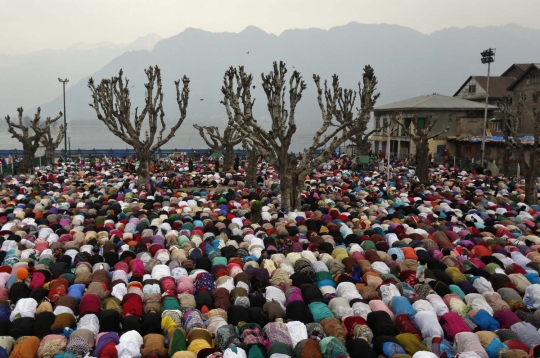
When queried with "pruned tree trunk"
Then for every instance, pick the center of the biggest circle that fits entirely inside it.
(27, 164)
(30, 142)
(362, 145)
(217, 141)
(50, 143)
(143, 171)
(229, 157)
(422, 166)
(287, 192)
(531, 195)
(49, 155)
(251, 173)
(297, 185)
(421, 137)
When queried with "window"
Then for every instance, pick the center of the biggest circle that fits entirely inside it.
(496, 125)
(421, 123)
(385, 123)
(377, 123)
(472, 88)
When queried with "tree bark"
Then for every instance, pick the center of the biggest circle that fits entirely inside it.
(286, 186)
(362, 146)
(531, 196)
(143, 171)
(290, 190)
(422, 166)
(251, 173)
(49, 153)
(27, 163)
(229, 158)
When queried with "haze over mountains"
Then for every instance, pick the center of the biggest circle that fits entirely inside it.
(407, 63)
(31, 79)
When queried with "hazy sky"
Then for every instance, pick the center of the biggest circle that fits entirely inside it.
(31, 25)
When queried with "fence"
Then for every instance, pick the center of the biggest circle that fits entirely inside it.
(468, 165)
(13, 168)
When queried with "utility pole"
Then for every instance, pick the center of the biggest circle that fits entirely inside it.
(488, 56)
(69, 142)
(64, 81)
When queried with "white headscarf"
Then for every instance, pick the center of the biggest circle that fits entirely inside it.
(129, 345)
(89, 321)
(297, 331)
(26, 307)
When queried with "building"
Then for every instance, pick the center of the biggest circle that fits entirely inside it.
(466, 116)
(474, 88)
(526, 85)
(517, 80)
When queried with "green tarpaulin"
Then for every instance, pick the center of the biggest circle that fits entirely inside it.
(364, 159)
(216, 155)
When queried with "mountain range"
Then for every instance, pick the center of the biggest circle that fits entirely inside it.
(406, 62)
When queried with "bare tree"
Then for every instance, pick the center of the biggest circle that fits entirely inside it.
(217, 141)
(276, 141)
(359, 124)
(527, 154)
(50, 143)
(113, 107)
(421, 138)
(30, 142)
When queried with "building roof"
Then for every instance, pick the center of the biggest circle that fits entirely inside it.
(523, 75)
(497, 85)
(434, 101)
(520, 66)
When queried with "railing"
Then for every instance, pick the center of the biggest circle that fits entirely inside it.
(469, 165)
(13, 168)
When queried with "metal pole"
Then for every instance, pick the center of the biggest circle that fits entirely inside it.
(485, 119)
(69, 141)
(388, 161)
(65, 137)
(64, 81)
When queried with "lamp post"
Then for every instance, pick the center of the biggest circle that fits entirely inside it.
(64, 81)
(488, 56)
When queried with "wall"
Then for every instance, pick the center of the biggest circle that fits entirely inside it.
(527, 88)
(480, 93)
(469, 126)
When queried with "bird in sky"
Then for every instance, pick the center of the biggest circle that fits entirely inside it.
(254, 87)
(247, 52)
(202, 99)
